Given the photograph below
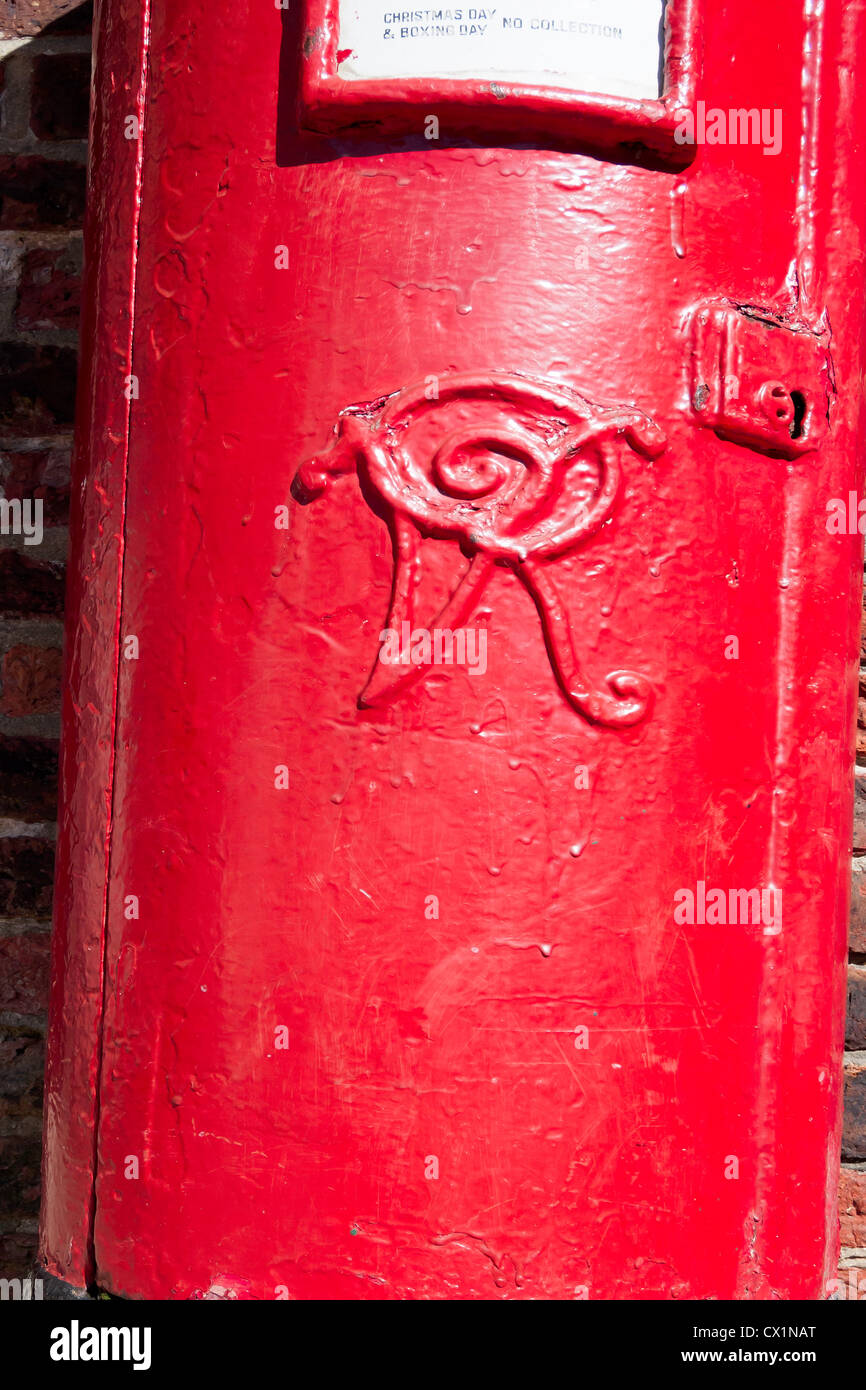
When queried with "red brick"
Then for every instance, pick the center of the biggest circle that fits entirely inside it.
(860, 813)
(37, 194)
(49, 289)
(30, 681)
(60, 103)
(37, 389)
(38, 473)
(28, 778)
(22, 1061)
(857, 920)
(26, 876)
(75, 20)
(852, 1209)
(854, 1121)
(29, 587)
(19, 1177)
(24, 970)
(851, 1285)
(17, 1253)
(25, 18)
(855, 1028)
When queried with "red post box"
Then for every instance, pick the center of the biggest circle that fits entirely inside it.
(462, 654)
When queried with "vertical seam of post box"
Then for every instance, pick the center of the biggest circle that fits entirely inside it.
(140, 104)
(813, 62)
(852, 21)
(770, 1014)
(812, 274)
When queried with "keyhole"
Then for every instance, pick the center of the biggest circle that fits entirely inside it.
(799, 414)
(779, 405)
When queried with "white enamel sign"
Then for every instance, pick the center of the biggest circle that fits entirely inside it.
(607, 47)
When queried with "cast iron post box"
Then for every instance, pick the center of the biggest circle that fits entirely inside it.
(462, 649)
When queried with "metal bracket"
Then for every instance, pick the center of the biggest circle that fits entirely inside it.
(759, 380)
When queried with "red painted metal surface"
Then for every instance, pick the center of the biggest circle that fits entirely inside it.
(408, 978)
(92, 650)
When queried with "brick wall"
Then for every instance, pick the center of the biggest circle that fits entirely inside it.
(852, 1198)
(44, 76)
(44, 88)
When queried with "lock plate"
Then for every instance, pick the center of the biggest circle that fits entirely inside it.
(759, 380)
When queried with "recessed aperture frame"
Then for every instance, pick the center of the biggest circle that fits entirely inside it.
(335, 105)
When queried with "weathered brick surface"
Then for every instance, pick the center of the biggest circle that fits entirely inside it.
(28, 779)
(26, 18)
(16, 1253)
(37, 389)
(22, 1059)
(19, 1176)
(22, 1062)
(857, 924)
(39, 194)
(49, 288)
(854, 1127)
(30, 681)
(855, 1035)
(38, 473)
(26, 875)
(30, 586)
(60, 96)
(861, 702)
(860, 814)
(852, 1209)
(24, 973)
